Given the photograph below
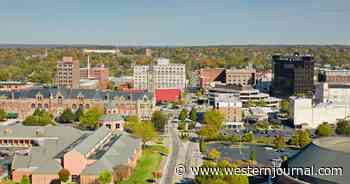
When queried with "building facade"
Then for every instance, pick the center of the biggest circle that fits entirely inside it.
(240, 77)
(305, 114)
(334, 76)
(83, 154)
(229, 105)
(332, 93)
(99, 73)
(292, 74)
(209, 75)
(55, 100)
(68, 73)
(163, 75)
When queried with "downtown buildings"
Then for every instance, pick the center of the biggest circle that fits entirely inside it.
(162, 75)
(292, 74)
(55, 100)
(68, 73)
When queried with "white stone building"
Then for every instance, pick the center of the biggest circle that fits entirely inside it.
(163, 75)
(306, 115)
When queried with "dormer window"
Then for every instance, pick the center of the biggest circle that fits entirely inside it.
(39, 96)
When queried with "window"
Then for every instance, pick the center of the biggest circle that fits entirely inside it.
(117, 126)
(33, 106)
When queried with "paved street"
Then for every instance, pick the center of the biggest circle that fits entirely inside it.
(169, 169)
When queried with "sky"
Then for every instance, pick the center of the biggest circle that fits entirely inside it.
(175, 22)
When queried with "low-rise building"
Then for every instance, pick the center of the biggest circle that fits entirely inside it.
(83, 154)
(14, 85)
(55, 100)
(305, 114)
(337, 76)
(240, 77)
(167, 95)
(112, 121)
(209, 75)
(330, 153)
(246, 94)
(230, 106)
(332, 93)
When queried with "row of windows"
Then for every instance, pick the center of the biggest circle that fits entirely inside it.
(46, 106)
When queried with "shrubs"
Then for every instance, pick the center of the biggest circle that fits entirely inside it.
(343, 127)
(324, 130)
(40, 117)
(202, 146)
(64, 175)
(300, 138)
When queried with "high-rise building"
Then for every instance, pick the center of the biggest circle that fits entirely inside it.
(163, 75)
(292, 74)
(68, 73)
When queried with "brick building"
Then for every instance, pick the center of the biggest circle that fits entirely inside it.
(99, 73)
(68, 73)
(83, 154)
(210, 75)
(240, 77)
(55, 100)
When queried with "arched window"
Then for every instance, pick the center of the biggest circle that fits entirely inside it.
(40, 106)
(87, 106)
(81, 106)
(74, 106)
(46, 106)
(33, 106)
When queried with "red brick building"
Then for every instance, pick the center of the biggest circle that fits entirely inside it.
(100, 73)
(167, 95)
(209, 75)
(68, 73)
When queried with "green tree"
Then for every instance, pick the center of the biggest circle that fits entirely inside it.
(300, 138)
(304, 138)
(63, 175)
(79, 112)
(3, 115)
(67, 116)
(183, 115)
(208, 132)
(343, 127)
(39, 118)
(252, 155)
(248, 137)
(214, 118)
(324, 130)
(131, 123)
(105, 177)
(285, 106)
(214, 154)
(25, 180)
(193, 114)
(88, 120)
(159, 120)
(146, 132)
(279, 142)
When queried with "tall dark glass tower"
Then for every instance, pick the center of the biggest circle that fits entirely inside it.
(292, 75)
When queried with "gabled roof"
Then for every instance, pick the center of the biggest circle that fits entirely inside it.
(111, 117)
(88, 144)
(49, 167)
(74, 93)
(118, 154)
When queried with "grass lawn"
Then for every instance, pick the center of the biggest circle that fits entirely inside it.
(148, 163)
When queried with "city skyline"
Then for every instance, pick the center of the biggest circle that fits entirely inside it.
(176, 23)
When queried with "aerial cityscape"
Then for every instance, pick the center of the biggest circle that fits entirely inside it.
(180, 92)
